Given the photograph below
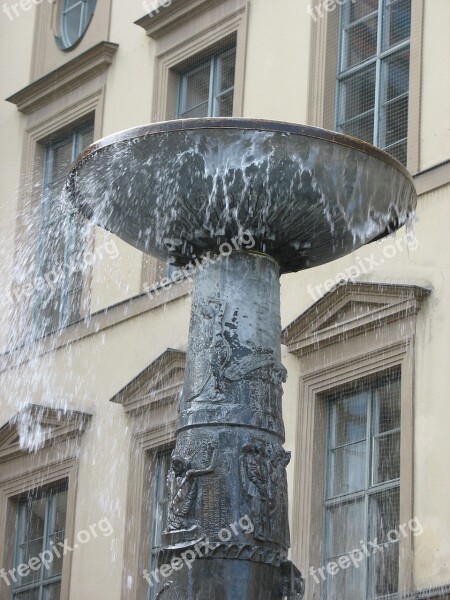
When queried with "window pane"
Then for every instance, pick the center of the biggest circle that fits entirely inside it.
(396, 75)
(397, 23)
(69, 3)
(59, 160)
(349, 419)
(56, 529)
(347, 584)
(225, 71)
(348, 469)
(30, 542)
(71, 303)
(224, 105)
(85, 139)
(384, 511)
(386, 458)
(361, 42)
(396, 121)
(362, 8)
(361, 128)
(387, 406)
(29, 595)
(71, 24)
(345, 527)
(49, 314)
(199, 111)
(358, 94)
(399, 151)
(159, 509)
(196, 91)
(52, 592)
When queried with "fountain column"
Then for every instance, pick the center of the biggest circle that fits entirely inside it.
(227, 531)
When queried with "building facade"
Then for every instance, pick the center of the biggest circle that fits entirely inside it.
(93, 333)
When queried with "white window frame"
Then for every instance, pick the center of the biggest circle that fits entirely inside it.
(213, 95)
(42, 583)
(66, 286)
(371, 488)
(378, 60)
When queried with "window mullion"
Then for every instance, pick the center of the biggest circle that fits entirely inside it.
(63, 316)
(368, 483)
(212, 86)
(378, 82)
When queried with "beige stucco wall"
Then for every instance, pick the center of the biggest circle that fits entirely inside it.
(15, 73)
(435, 119)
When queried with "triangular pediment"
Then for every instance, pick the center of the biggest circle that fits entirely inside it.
(35, 427)
(158, 383)
(348, 309)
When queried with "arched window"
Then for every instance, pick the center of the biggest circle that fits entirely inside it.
(75, 18)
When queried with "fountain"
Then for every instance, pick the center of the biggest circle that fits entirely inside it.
(187, 189)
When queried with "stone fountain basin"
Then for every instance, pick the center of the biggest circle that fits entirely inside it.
(183, 188)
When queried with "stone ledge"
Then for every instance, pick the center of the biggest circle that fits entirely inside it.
(65, 78)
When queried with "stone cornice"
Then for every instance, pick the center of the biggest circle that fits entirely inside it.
(39, 426)
(158, 383)
(349, 309)
(65, 78)
(160, 20)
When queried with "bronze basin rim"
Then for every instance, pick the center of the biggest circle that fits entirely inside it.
(241, 124)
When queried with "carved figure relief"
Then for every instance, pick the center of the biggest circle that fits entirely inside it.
(218, 351)
(228, 358)
(264, 480)
(182, 481)
(254, 474)
(279, 492)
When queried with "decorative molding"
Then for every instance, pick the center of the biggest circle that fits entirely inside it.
(44, 426)
(432, 178)
(159, 383)
(348, 310)
(322, 76)
(160, 20)
(29, 475)
(218, 21)
(363, 318)
(143, 451)
(65, 78)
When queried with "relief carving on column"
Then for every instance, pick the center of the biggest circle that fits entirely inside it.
(264, 482)
(230, 379)
(183, 482)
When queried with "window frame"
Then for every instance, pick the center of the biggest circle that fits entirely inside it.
(332, 353)
(49, 145)
(322, 88)
(87, 13)
(181, 32)
(159, 496)
(378, 60)
(22, 475)
(371, 489)
(213, 94)
(48, 493)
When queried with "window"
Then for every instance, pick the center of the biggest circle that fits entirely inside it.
(373, 73)
(159, 510)
(207, 90)
(362, 490)
(75, 18)
(40, 526)
(61, 238)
